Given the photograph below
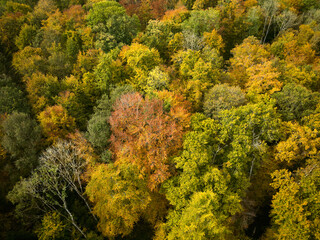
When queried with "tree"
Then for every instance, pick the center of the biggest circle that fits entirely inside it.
(119, 196)
(300, 144)
(216, 165)
(213, 40)
(109, 70)
(112, 25)
(29, 60)
(297, 50)
(144, 135)
(51, 227)
(222, 97)
(295, 102)
(195, 192)
(248, 54)
(198, 70)
(98, 126)
(139, 60)
(157, 35)
(58, 63)
(270, 9)
(138, 56)
(10, 25)
(21, 138)
(203, 4)
(48, 188)
(26, 36)
(295, 207)
(233, 25)
(43, 9)
(157, 80)
(177, 107)
(263, 80)
(11, 97)
(86, 62)
(42, 90)
(56, 123)
(201, 21)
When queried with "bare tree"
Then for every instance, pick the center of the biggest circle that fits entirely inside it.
(59, 172)
(286, 20)
(270, 8)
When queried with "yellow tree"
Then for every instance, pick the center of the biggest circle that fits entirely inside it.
(56, 123)
(301, 143)
(295, 207)
(263, 79)
(119, 196)
(139, 60)
(247, 55)
(42, 89)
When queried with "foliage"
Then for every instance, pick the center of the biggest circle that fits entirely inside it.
(199, 70)
(119, 196)
(144, 135)
(52, 227)
(112, 25)
(47, 189)
(222, 97)
(138, 61)
(295, 205)
(98, 126)
(295, 101)
(21, 138)
(201, 119)
(42, 89)
(157, 35)
(11, 97)
(56, 123)
(201, 21)
(217, 159)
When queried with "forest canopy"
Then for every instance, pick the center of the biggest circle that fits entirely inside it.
(160, 119)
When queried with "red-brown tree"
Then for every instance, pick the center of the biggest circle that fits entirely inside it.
(144, 135)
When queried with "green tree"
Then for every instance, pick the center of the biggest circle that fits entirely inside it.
(26, 36)
(139, 60)
(11, 97)
(216, 165)
(42, 90)
(194, 193)
(112, 25)
(158, 34)
(21, 138)
(295, 102)
(198, 70)
(222, 97)
(201, 21)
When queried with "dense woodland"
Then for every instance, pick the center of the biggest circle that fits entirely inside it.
(160, 119)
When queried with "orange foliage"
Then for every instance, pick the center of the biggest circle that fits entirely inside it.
(180, 108)
(75, 15)
(143, 134)
(177, 15)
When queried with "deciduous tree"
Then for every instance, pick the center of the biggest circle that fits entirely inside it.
(144, 135)
(56, 123)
